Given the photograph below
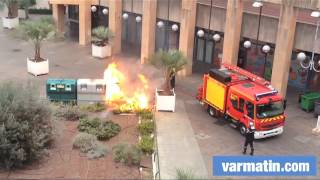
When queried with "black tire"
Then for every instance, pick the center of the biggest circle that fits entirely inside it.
(242, 129)
(211, 111)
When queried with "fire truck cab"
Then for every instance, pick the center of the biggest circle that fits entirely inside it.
(244, 99)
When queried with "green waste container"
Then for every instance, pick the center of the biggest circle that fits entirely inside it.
(307, 101)
(62, 90)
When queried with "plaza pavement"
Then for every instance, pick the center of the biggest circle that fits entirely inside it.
(188, 133)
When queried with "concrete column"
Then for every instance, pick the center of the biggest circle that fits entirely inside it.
(187, 28)
(84, 22)
(115, 23)
(232, 31)
(58, 16)
(284, 45)
(149, 11)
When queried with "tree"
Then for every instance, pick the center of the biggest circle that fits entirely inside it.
(37, 32)
(170, 62)
(12, 6)
(26, 4)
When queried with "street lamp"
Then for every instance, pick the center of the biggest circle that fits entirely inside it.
(138, 19)
(265, 49)
(304, 62)
(174, 27)
(247, 44)
(160, 24)
(125, 16)
(258, 4)
(200, 33)
(216, 37)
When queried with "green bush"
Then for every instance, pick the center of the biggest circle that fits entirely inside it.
(187, 175)
(42, 11)
(97, 107)
(25, 126)
(127, 154)
(146, 128)
(120, 111)
(88, 143)
(85, 142)
(69, 112)
(103, 130)
(146, 144)
(146, 115)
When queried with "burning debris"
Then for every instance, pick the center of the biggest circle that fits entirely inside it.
(126, 94)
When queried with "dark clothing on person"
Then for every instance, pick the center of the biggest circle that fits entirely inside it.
(173, 82)
(250, 136)
(249, 141)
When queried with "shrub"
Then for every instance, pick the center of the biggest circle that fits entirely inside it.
(97, 107)
(85, 142)
(25, 125)
(146, 127)
(127, 153)
(69, 112)
(186, 175)
(99, 151)
(103, 130)
(146, 144)
(146, 115)
(42, 11)
(120, 111)
(88, 143)
(101, 36)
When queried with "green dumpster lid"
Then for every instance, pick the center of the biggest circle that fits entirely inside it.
(64, 81)
(312, 95)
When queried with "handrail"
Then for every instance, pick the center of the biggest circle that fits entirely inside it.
(155, 161)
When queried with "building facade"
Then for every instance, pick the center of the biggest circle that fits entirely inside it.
(208, 32)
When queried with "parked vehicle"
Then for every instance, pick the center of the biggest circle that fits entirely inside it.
(244, 99)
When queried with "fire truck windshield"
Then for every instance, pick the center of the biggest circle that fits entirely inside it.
(270, 110)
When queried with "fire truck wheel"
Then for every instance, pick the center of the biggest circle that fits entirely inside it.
(212, 111)
(242, 129)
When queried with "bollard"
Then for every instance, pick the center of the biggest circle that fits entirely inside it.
(316, 130)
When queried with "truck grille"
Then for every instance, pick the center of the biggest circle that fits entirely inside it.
(271, 126)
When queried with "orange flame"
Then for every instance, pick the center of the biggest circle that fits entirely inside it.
(118, 98)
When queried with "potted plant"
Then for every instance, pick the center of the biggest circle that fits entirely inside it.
(170, 62)
(12, 20)
(101, 37)
(37, 32)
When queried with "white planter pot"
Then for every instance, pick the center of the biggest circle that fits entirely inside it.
(10, 22)
(38, 68)
(101, 51)
(165, 102)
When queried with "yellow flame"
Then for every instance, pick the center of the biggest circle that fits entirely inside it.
(115, 81)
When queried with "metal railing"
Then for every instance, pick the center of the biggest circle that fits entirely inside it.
(155, 155)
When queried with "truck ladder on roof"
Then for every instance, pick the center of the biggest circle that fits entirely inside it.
(249, 75)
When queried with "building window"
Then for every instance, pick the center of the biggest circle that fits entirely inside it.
(98, 18)
(207, 52)
(250, 110)
(166, 38)
(255, 61)
(73, 12)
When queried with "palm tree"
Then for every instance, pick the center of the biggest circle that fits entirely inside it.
(37, 32)
(101, 36)
(12, 6)
(171, 62)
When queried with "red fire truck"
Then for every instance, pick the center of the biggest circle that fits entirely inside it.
(244, 99)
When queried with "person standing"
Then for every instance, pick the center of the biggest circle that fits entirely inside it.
(249, 140)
